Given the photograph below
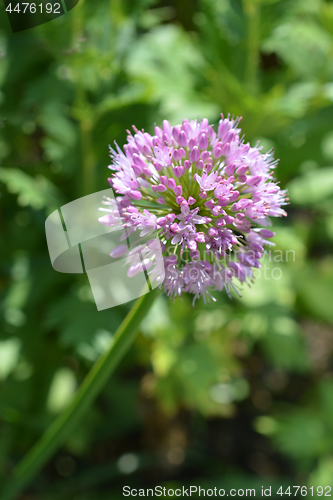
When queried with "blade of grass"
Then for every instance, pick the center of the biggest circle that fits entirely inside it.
(92, 385)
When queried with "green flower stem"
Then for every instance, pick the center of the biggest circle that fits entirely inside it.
(92, 385)
(252, 12)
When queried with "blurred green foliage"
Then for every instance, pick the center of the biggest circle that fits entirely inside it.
(233, 394)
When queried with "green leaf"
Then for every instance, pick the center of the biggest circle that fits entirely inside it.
(284, 346)
(169, 79)
(37, 192)
(313, 187)
(303, 45)
(315, 287)
(301, 435)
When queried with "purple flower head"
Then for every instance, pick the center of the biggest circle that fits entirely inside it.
(207, 194)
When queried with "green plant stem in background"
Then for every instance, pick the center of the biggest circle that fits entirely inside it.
(94, 382)
(88, 159)
(252, 12)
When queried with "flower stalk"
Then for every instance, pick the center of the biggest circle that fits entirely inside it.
(252, 12)
(60, 429)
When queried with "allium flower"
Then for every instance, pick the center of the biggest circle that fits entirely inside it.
(208, 195)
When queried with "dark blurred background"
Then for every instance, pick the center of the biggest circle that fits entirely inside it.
(236, 394)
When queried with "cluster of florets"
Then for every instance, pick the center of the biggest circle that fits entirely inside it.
(208, 195)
